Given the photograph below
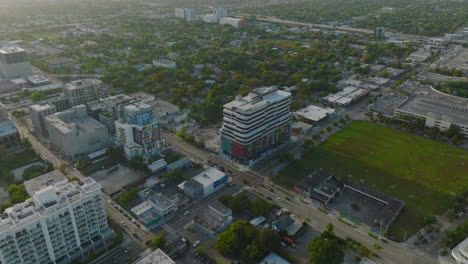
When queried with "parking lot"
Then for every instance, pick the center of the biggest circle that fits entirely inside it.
(113, 181)
(357, 206)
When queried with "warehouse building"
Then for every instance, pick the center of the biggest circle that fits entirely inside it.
(441, 111)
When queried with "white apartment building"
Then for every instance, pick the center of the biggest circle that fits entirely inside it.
(74, 134)
(14, 63)
(254, 126)
(83, 91)
(38, 113)
(59, 223)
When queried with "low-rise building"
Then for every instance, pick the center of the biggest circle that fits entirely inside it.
(9, 136)
(234, 22)
(313, 114)
(437, 111)
(273, 258)
(346, 96)
(156, 257)
(213, 220)
(74, 134)
(155, 209)
(460, 252)
(421, 55)
(37, 80)
(320, 186)
(290, 224)
(394, 73)
(204, 184)
(366, 261)
(60, 63)
(157, 166)
(165, 63)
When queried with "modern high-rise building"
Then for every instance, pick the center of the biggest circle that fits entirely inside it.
(38, 112)
(379, 32)
(220, 12)
(14, 63)
(61, 222)
(137, 132)
(74, 134)
(83, 91)
(186, 13)
(256, 125)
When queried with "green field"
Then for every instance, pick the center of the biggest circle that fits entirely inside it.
(421, 172)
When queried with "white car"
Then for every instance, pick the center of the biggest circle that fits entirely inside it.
(186, 213)
(196, 243)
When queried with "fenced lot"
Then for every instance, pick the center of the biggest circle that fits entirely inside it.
(421, 172)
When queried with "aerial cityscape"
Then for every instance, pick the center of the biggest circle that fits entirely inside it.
(234, 131)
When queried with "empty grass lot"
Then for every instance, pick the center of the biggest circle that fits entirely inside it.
(419, 171)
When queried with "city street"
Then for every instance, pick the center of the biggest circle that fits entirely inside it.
(392, 253)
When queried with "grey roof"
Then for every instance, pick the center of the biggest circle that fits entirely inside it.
(455, 108)
(220, 208)
(44, 180)
(7, 128)
(283, 222)
(273, 258)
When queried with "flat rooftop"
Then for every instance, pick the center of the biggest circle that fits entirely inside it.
(447, 107)
(257, 98)
(156, 257)
(209, 176)
(219, 207)
(314, 113)
(48, 179)
(7, 128)
(77, 84)
(41, 107)
(387, 104)
(9, 50)
(45, 201)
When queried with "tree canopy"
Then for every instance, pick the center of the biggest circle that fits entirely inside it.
(243, 241)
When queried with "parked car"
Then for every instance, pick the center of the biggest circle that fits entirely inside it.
(196, 243)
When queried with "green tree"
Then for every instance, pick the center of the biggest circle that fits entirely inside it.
(115, 154)
(159, 241)
(267, 241)
(17, 193)
(239, 203)
(260, 207)
(137, 163)
(456, 236)
(325, 251)
(37, 96)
